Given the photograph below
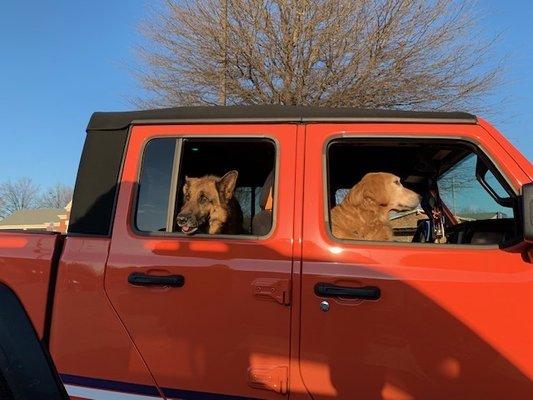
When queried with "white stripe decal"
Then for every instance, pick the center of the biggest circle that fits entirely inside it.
(99, 394)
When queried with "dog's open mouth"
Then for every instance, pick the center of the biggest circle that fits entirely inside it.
(188, 225)
(188, 230)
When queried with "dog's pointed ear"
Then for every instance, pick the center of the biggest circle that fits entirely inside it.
(226, 184)
(186, 184)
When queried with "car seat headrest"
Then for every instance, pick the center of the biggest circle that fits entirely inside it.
(266, 199)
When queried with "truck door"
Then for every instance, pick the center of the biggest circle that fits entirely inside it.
(209, 311)
(403, 320)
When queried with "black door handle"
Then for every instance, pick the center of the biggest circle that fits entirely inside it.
(142, 279)
(364, 293)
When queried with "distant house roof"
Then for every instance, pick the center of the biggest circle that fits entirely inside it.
(406, 221)
(482, 215)
(402, 214)
(33, 217)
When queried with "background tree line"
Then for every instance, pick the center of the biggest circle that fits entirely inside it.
(25, 194)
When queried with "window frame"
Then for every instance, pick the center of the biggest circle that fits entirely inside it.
(477, 148)
(173, 189)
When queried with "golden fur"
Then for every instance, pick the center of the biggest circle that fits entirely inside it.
(364, 212)
(209, 206)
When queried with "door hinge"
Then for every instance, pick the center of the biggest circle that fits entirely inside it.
(272, 289)
(275, 379)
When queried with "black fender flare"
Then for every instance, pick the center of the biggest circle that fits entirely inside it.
(26, 368)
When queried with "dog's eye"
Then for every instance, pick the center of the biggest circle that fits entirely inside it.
(398, 182)
(203, 199)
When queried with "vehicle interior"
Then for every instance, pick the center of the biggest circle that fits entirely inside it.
(465, 200)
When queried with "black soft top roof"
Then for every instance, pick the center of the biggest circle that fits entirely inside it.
(102, 121)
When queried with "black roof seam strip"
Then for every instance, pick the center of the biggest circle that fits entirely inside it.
(102, 121)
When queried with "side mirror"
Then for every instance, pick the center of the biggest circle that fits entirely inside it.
(527, 212)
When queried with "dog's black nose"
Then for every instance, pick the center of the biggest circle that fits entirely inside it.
(182, 219)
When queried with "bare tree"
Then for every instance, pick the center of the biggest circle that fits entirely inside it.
(18, 195)
(57, 196)
(423, 54)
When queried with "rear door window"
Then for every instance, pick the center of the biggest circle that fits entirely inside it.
(182, 181)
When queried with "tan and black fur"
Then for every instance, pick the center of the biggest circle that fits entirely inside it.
(364, 212)
(209, 206)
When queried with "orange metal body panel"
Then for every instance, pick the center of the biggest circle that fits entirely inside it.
(25, 266)
(87, 338)
(520, 159)
(453, 322)
(207, 335)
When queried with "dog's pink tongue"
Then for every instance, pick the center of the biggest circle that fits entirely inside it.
(185, 228)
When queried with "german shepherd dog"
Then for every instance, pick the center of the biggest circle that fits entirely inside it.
(209, 206)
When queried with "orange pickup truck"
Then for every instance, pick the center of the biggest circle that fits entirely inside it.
(131, 304)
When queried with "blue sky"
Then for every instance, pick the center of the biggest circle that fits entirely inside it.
(63, 59)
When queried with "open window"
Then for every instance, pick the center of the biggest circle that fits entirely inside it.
(464, 199)
(211, 186)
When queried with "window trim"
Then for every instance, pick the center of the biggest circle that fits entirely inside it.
(173, 189)
(476, 145)
(175, 174)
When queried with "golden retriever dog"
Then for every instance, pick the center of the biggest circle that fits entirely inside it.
(209, 206)
(364, 212)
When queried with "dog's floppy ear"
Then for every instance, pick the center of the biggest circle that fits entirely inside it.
(355, 195)
(376, 188)
(226, 184)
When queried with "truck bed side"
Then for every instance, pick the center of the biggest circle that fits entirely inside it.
(27, 266)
